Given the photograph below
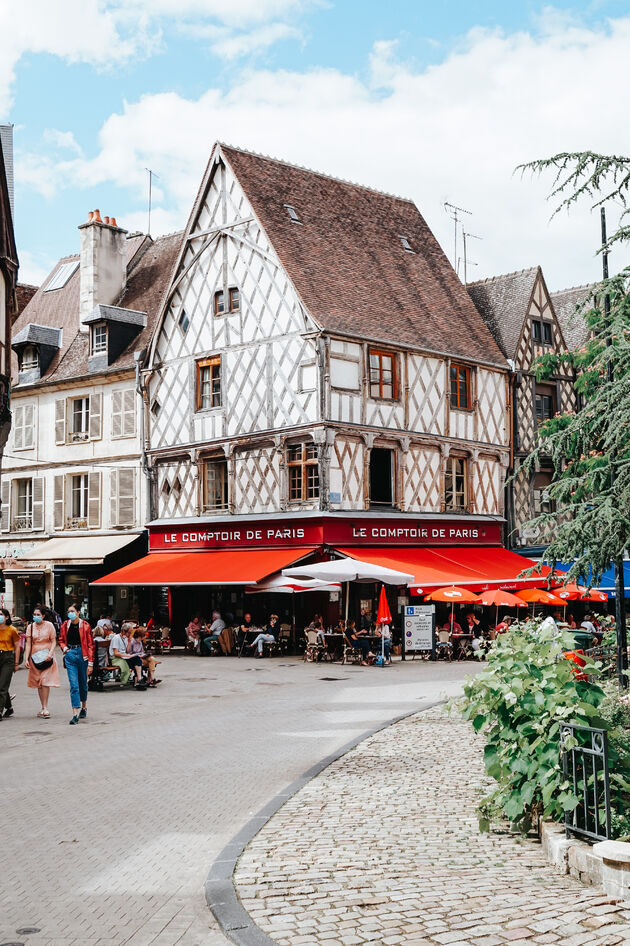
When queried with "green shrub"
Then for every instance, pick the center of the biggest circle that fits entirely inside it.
(519, 701)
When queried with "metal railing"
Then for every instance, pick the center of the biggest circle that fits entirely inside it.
(22, 523)
(586, 766)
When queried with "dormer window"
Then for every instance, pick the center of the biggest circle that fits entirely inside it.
(30, 358)
(293, 214)
(98, 339)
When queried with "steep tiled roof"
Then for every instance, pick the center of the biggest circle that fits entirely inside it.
(503, 302)
(149, 268)
(573, 325)
(24, 293)
(347, 262)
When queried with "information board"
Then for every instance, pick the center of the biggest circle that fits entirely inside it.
(418, 626)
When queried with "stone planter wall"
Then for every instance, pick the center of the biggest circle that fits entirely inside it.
(606, 864)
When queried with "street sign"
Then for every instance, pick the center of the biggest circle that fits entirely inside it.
(418, 627)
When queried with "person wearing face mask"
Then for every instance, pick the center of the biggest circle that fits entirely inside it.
(39, 658)
(9, 661)
(77, 644)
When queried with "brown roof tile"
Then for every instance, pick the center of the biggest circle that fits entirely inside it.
(565, 303)
(24, 293)
(149, 267)
(502, 302)
(349, 267)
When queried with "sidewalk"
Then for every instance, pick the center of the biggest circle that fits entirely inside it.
(383, 847)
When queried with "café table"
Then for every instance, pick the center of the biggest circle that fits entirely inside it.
(461, 640)
(334, 644)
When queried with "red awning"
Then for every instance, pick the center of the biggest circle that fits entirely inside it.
(479, 568)
(236, 567)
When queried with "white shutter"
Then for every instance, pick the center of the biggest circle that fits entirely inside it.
(60, 420)
(28, 435)
(18, 426)
(38, 502)
(113, 498)
(129, 413)
(94, 499)
(5, 508)
(58, 500)
(126, 498)
(95, 416)
(117, 412)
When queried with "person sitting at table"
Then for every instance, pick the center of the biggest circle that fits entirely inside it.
(136, 648)
(124, 661)
(504, 625)
(365, 623)
(383, 631)
(193, 633)
(571, 622)
(218, 624)
(243, 629)
(103, 634)
(317, 622)
(267, 636)
(472, 622)
(452, 625)
(588, 625)
(358, 641)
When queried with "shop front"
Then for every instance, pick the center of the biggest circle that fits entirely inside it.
(205, 564)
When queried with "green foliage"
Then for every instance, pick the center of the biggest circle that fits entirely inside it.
(615, 712)
(519, 701)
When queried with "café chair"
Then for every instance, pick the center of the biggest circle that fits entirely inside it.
(444, 644)
(314, 649)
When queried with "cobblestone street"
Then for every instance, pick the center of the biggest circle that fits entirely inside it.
(383, 847)
(110, 827)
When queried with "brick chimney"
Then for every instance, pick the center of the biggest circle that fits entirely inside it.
(103, 269)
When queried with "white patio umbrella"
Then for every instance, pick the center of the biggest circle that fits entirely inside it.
(347, 570)
(279, 584)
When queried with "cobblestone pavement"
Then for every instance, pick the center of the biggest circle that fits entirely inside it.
(383, 847)
(109, 828)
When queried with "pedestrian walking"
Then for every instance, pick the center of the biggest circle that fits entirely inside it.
(39, 659)
(9, 661)
(77, 644)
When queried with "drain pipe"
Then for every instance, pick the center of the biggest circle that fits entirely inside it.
(139, 358)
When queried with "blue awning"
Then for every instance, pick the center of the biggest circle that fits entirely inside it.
(607, 582)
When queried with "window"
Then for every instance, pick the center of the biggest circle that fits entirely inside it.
(124, 413)
(545, 403)
(30, 358)
(209, 383)
(293, 214)
(542, 501)
(460, 387)
(381, 476)
(219, 302)
(184, 321)
(455, 486)
(80, 418)
(98, 339)
(62, 276)
(303, 472)
(383, 381)
(156, 407)
(235, 300)
(406, 245)
(547, 339)
(24, 426)
(542, 332)
(79, 496)
(23, 505)
(215, 484)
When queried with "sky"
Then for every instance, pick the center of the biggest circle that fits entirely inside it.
(436, 100)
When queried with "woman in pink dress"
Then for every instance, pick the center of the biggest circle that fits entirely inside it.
(41, 638)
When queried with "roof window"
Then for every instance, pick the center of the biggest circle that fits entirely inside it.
(292, 212)
(61, 277)
(406, 245)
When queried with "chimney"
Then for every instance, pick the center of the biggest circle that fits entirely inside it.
(6, 142)
(103, 269)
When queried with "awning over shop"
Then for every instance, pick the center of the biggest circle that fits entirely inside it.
(82, 550)
(607, 582)
(475, 567)
(238, 567)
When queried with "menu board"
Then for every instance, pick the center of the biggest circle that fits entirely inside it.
(418, 626)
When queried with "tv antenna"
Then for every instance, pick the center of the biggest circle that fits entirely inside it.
(151, 174)
(454, 213)
(467, 262)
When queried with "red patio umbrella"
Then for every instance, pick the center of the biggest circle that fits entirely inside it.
(383, 616)
(573, 592)
(539, 596)
(500, 599)
(453, 594)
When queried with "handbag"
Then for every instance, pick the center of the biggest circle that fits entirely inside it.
(40, 660)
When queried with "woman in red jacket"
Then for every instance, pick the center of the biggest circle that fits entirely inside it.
(77, 644)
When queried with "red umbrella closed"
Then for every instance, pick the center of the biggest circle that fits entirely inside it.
(383, 616)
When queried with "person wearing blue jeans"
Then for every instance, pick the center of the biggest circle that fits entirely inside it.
(76, 668)
(77, 644)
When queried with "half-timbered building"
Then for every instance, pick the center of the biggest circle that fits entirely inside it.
(8, 296)
(521, 315)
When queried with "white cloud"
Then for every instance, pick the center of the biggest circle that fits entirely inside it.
(454, 131)
(34, 269)
(245, 43)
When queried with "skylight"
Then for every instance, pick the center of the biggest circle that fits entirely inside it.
(292, 212)
(406, 245)
(62, 276)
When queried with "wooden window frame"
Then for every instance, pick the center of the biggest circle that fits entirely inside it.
(217, 311)
(303, 463)
(465, 473)
(94, 329)
(201, 364)
(34, 364)
(545, 391)
(381, 353)
(538, 323)
(208, 461)
(232, 291)
(455, 398)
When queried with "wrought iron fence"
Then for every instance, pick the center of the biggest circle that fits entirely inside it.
(607, 656)
(585, 764)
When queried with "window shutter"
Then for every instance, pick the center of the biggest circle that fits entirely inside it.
(113, 498)
(5, 509)
(129, 413)
(94, 498)
(38, 502)
(28, 435)
(126, 497)
(60, 420)
(117, 418)
(95, 416)
(58, 498)
(18, 426)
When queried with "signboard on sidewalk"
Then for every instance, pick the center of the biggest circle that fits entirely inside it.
(418, 627)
